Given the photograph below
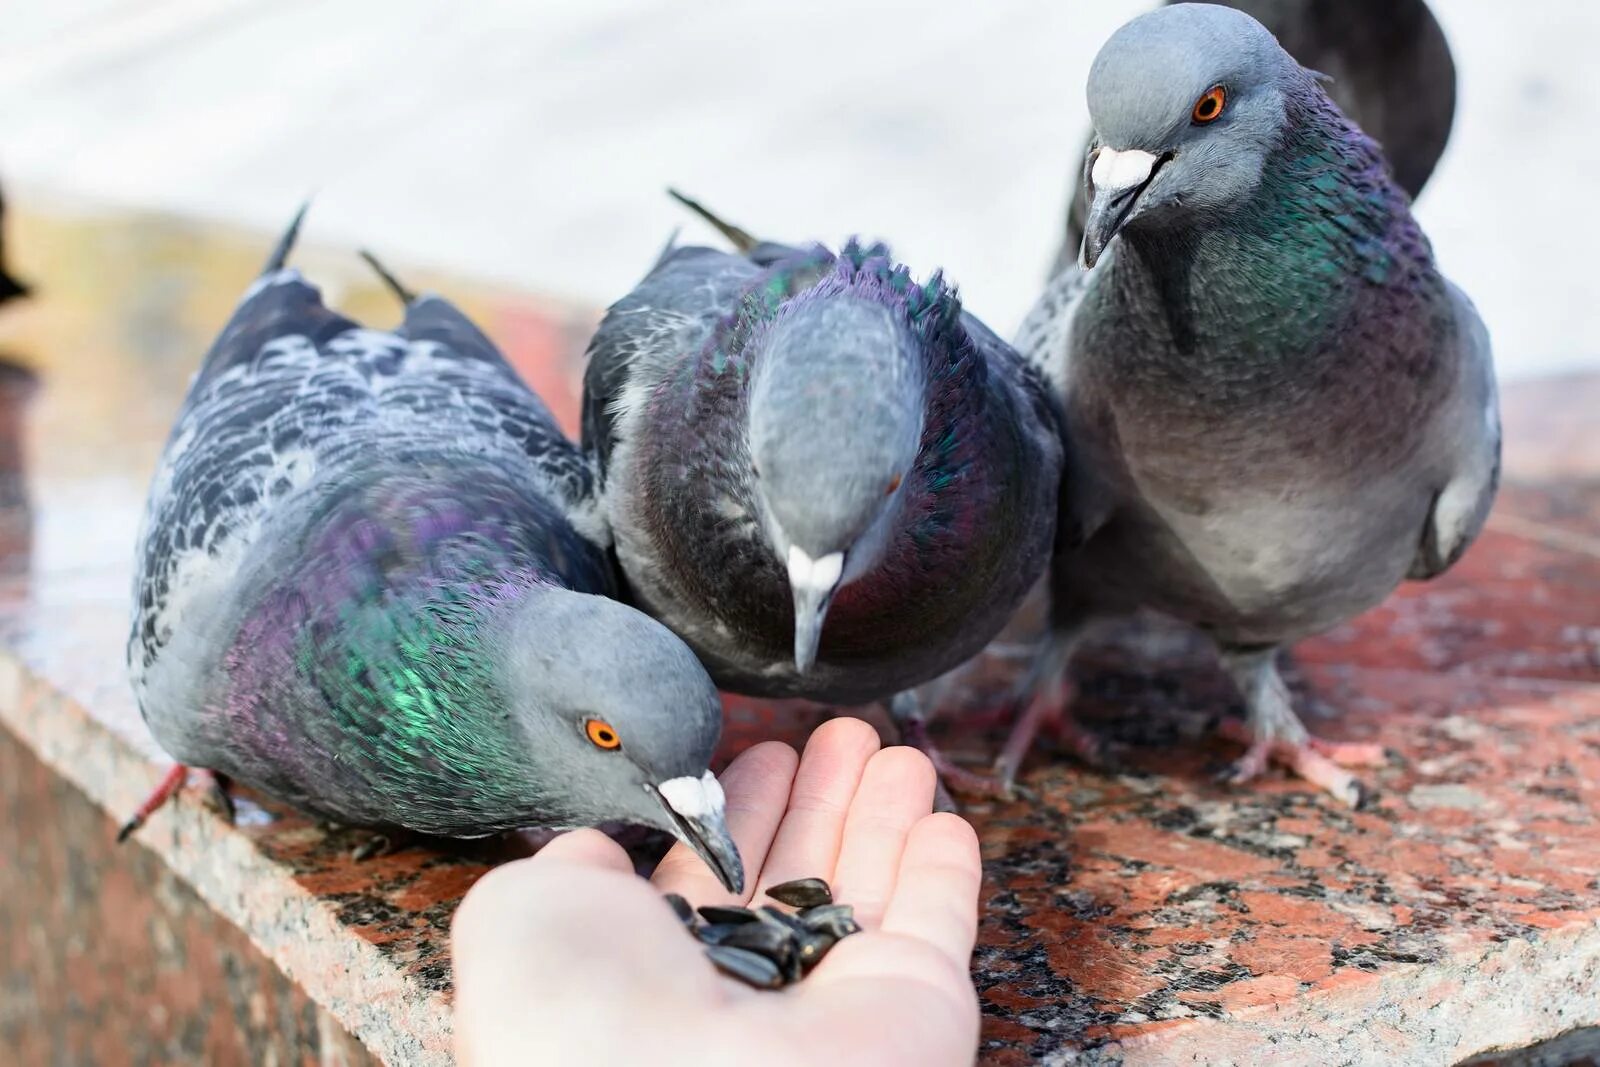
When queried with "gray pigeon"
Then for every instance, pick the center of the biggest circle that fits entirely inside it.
(373, 583)
(1389, 69)
(829, 479)
(1276, 407)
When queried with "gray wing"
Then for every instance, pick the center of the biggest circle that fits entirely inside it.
(292, 391)
(1040, 405)
(1045, 336)
(472, 379)
(1469, 436)
(647, 334)
(1045, 341)
(1077, 211)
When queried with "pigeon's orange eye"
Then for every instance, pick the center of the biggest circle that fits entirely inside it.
(1209, 106)
(601, 735)
(894, 483)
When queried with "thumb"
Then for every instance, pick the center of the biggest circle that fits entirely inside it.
(583, 848)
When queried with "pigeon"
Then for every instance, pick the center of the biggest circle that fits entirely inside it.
(1276, 406)
(830, 480)
(1388, 67)
(10, 288)
(373, 583)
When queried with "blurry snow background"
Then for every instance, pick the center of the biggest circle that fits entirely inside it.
(528, 140)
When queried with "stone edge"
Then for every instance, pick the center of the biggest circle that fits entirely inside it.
(349, 977)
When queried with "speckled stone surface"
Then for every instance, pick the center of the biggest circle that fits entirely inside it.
(110, 958)
(1143, 915)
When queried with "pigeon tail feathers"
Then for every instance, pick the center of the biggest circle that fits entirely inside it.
(740, 238)
(406, 296)
(280, 252)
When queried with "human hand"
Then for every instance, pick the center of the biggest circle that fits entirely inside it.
(570, 958)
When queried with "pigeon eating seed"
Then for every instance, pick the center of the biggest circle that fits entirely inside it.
(829, 479)
(373, 583)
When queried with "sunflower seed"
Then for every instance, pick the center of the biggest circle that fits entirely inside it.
(748, 967)
(681, 907)
(780, 919)
(812, 946)
(811, 916)
(802, 893)
(777, 945)
(712, 913)
(837, 920)
(717, 933)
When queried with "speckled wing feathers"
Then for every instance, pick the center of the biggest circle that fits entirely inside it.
(1044, 340)
(291, 391)
(641, 342)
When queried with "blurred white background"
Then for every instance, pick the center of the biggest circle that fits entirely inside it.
(529, 141)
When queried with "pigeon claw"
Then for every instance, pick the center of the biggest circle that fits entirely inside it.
(170, 783)
(373, 847)
(1049, 711)
(1315, 760)
(952, 777)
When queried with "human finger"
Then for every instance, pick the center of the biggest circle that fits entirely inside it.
(807, 841)
(896, 791)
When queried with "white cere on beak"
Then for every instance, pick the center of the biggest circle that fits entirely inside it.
(1115, 170)
(694, 798)
(815, 575)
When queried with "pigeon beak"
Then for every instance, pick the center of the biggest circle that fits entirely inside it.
(698, 811)
(1116, 181)
(813, 582)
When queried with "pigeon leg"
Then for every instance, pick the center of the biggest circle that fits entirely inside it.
(379, 844)
(169, 785)
(1273, 732)
(1048, 694)
(906, 712)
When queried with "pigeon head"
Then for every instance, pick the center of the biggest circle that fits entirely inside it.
(837, 401)
(1187, 102)
(620, 720)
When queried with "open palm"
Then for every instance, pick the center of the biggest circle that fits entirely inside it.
(569, 958)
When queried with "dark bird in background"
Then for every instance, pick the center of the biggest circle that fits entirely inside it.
(1276, 407)
(1389, 70)
(373, 583)
(10, 288)
(826, 477)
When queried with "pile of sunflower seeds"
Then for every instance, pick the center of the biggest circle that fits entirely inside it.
(766, 947)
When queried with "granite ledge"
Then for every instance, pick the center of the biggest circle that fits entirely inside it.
(396, 1018)
(1409, 1016)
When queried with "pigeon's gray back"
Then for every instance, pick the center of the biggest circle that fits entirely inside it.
(292, 400)
(645, 335)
